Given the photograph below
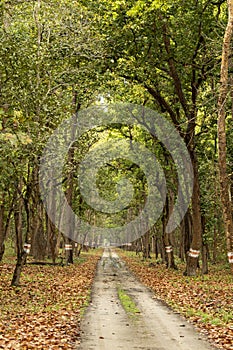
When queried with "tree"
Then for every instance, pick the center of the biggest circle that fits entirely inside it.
(222, 152)
(46, 51)
(163, 47)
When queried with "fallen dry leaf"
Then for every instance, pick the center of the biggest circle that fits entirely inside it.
(44, 312)
(207, 301)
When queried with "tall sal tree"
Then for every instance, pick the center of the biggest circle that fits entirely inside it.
(222, 144)
(163, 47)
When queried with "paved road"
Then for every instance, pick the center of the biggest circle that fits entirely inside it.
(106, 325)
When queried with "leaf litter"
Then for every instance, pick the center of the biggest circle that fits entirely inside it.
(205, 300)
(44, 312)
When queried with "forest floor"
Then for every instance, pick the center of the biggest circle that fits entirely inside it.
(124, 314)
(45, 311)
(206, 300)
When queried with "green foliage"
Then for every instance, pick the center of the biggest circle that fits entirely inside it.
(127, 302)
(57, 56)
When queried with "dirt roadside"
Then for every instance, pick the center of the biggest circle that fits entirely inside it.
(107, 326)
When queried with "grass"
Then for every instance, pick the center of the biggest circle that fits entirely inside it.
(85, 304)
(204, 317)
(128, 304)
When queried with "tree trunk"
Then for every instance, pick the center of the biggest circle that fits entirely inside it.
(4, 224)
(146, 245)
(216, 221)
(37, 212)
(21, 259)
(70, 180)
(169, 254)
(186, 235)
(38, 234)
(222, 152)
(2, 229)
(194, 252)
(21, 253)
(69, 251)
(205, 250)
(205, 255)
(153, 245)
(138, 246)
(52, 240)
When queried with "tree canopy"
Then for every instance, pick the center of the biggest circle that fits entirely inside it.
(58, 58)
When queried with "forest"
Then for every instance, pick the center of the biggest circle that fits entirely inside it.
(74, 69)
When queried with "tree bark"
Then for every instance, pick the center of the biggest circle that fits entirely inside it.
(222, 148)
(146, 245)
(196, 244)
(37, 212)
(51, 228)
(2, 228)
(205, 250)
(70, 177)
(167, 239)
(21, 254)
(5, 223)
(186, 235)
